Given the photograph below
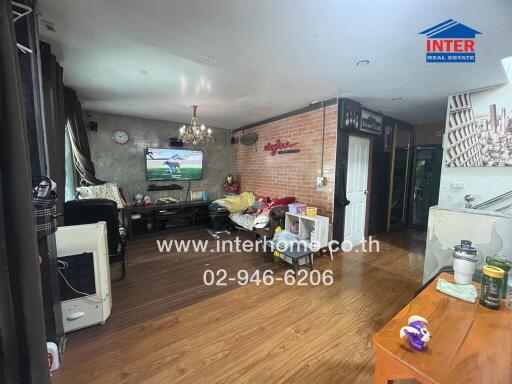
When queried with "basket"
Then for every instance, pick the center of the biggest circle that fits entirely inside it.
(45, 213)
(311, 211)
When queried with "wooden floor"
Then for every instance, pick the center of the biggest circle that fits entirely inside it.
(167, 327)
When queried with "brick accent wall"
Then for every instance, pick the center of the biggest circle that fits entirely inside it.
(291, 174)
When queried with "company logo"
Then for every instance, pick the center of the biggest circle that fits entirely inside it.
(450, 42)
(280, 147)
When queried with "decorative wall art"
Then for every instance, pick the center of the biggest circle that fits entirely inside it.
(371, 122)
(479, 134)
(281, 148)
(249, 138)
(350, 114)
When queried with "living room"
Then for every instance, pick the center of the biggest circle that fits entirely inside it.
(272, 191)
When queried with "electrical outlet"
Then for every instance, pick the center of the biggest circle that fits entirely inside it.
(320, 181)
(458, 185)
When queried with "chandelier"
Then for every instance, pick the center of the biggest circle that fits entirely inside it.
(195, 133)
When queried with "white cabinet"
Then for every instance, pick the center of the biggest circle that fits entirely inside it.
(82, 252)
(304, 226)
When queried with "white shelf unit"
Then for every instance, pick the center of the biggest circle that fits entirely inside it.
(308, 224)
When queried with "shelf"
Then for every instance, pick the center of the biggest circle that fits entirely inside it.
(308, 224)
(176, 215)
(188, 215)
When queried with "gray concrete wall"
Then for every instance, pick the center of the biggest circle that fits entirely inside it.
(125, 164)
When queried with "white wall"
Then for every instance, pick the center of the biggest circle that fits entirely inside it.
(489, 232)
(481, 182)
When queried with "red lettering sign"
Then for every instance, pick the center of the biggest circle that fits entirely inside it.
(277, 146)
(450, 45)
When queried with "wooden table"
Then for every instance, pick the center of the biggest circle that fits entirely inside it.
(470, 343)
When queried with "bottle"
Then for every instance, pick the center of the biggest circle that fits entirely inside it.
(509, 291)
(491, 287)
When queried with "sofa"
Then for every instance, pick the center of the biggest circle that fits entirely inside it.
(246, 211)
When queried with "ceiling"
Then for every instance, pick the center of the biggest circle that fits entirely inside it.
(245, 61)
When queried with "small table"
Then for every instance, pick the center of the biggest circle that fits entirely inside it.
(470, 343)
(296, 253)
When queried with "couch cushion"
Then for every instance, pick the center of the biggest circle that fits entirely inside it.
(283, 201)
(108, 191)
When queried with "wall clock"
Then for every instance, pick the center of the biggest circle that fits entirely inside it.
(120, 136)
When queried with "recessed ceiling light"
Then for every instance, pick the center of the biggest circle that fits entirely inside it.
(362, 63)
(396, 99)
(143, 72)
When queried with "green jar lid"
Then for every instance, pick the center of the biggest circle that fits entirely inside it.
(499, 261)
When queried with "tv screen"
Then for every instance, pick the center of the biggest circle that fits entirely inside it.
(163, 164)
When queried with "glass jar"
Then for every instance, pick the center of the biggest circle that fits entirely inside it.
(504, 264)
(491, 287)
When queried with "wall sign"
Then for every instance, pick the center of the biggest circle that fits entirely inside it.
(371, 122)
(281, 147)
(249, 138)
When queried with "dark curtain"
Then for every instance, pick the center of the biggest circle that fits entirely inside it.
(55, 120)
(22, 336)
(79, 140)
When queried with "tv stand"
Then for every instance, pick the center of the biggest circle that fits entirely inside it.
(165, 218)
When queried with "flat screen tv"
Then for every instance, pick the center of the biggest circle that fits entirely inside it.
(164, 164)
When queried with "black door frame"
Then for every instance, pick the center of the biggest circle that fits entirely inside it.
(379, 168)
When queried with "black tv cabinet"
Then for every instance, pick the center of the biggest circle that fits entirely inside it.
(157, 219)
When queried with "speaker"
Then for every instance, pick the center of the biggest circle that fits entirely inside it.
(173, 142)
(93, 126)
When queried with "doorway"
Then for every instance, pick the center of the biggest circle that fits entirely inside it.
(426, 176)
(399, 178)
(357, 189)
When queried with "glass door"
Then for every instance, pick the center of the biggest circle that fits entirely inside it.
(426, 168)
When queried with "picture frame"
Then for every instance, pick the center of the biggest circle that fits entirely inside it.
(371, 122)
(196, 195)
(350, 114)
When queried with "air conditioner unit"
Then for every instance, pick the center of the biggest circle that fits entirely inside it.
(84, 275)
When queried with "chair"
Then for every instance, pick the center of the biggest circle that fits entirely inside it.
(219, 218)
(88, 211)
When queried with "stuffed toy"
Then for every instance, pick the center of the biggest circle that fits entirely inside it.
(417, 332)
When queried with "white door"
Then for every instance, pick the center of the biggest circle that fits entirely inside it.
(356, 188)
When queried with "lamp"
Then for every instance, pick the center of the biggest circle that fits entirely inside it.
(195, 133)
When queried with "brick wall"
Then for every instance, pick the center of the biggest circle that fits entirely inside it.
(291, 174)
